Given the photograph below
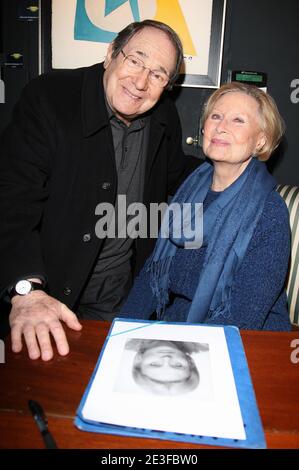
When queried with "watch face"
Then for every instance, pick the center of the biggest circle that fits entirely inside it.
(23, 287)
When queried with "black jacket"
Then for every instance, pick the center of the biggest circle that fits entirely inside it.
(57, 163)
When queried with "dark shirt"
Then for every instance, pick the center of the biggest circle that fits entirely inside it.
(111, 278)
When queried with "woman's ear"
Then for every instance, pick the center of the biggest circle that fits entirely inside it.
(261, 142)
(108, 57)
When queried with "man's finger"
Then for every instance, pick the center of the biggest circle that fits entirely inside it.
(16, 338)
(60, 338)
(70, 318)
(31, 342)
(44, 341)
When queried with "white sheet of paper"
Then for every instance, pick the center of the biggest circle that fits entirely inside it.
(212, 409)
(2, 89)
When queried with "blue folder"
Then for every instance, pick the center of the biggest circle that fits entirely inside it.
(255, 438)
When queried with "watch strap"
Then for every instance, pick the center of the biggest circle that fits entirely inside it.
(34, 286)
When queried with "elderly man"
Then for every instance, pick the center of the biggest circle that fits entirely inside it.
(79, 138)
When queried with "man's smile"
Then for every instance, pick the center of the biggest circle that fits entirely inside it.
(131, 95)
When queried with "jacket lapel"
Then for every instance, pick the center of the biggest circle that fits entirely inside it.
(155, 137)
(158, 128)
(94, 113)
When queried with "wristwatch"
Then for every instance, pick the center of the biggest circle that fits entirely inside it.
(24, 287)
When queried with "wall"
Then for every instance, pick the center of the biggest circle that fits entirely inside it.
(260, 35)
(16, 36)
(265, 37)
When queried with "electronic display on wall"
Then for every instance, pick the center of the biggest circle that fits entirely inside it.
(251, 78)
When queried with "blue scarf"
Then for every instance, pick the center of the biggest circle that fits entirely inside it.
(228, 225)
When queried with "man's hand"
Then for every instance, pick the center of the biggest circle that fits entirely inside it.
(35, 316)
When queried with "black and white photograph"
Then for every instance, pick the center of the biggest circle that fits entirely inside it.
(165, 367)
(167, 377)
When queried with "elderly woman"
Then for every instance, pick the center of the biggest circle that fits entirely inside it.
(237, 276)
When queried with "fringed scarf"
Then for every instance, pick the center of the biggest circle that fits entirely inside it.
(228, 225)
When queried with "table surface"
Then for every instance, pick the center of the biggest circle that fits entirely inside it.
(60, 383)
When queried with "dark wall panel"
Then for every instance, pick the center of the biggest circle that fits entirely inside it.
(265, 37)
(16, 36)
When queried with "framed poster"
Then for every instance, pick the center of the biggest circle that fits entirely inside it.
(76, 33)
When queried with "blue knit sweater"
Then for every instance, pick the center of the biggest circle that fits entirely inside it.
(258, 297)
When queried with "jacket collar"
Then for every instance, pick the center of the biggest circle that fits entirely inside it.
(94, 110)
